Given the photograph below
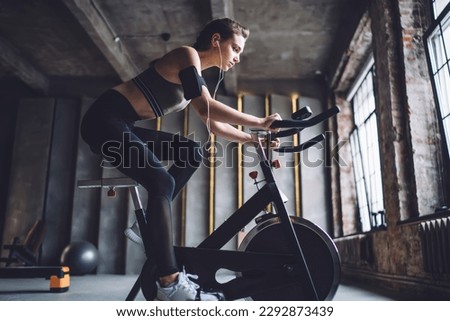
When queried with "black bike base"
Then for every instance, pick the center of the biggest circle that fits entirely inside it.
(265, 266)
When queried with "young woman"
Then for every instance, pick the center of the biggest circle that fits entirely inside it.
(167, 86)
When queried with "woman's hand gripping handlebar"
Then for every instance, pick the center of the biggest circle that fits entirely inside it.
(301, 120)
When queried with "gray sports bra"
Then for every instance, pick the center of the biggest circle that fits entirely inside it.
(163, 96)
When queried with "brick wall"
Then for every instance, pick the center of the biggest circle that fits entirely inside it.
(410, 150)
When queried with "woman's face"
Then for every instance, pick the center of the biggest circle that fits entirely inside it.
(231, 50)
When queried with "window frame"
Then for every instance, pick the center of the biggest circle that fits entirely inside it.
(432, 2)
(373, 220)
(432, 29)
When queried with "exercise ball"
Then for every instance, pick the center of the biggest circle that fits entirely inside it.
(81, 257)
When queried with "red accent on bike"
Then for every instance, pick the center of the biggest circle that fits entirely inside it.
(111, 192)
(276, 164)
(253, 175)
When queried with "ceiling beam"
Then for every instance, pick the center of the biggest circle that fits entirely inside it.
(22, 68)
(221, 9)
(97, 27)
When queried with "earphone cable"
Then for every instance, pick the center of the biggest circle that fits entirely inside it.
(219, 80)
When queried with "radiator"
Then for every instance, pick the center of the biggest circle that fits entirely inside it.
(435, 239)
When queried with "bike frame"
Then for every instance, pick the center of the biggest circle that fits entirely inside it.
(208, 257)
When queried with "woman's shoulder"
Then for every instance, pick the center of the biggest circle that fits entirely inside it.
(185, 52)
(184, 55)
(177, 59)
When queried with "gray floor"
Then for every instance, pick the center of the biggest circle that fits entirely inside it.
(116, 288)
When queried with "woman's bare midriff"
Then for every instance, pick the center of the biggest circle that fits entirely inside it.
(136, 98)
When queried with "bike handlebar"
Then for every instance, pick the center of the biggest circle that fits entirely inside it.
(304, 123)
(301, 121)
(301, 147)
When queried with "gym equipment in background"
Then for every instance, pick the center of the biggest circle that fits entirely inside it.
(22, 261)
(81, 257)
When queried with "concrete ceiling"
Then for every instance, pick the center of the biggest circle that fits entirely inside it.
(289, 39)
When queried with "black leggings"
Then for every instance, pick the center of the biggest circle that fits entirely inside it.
(108, 128)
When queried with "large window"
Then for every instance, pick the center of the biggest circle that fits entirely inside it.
(439, 6)
(437, 42)
(366, 154)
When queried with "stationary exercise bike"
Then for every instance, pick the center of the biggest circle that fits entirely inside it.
(282, 258)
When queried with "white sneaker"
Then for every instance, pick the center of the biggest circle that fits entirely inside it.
(133, 234)
(185, 290)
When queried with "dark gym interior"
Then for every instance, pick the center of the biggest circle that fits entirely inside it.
(378, 185)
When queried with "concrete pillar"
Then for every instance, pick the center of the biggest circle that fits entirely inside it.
(399, 185)
(422, 120)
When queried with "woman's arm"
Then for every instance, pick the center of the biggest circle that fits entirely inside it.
(229, 132)
(209, 108)
(232, 134)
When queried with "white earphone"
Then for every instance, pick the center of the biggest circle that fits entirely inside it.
(219, 80)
